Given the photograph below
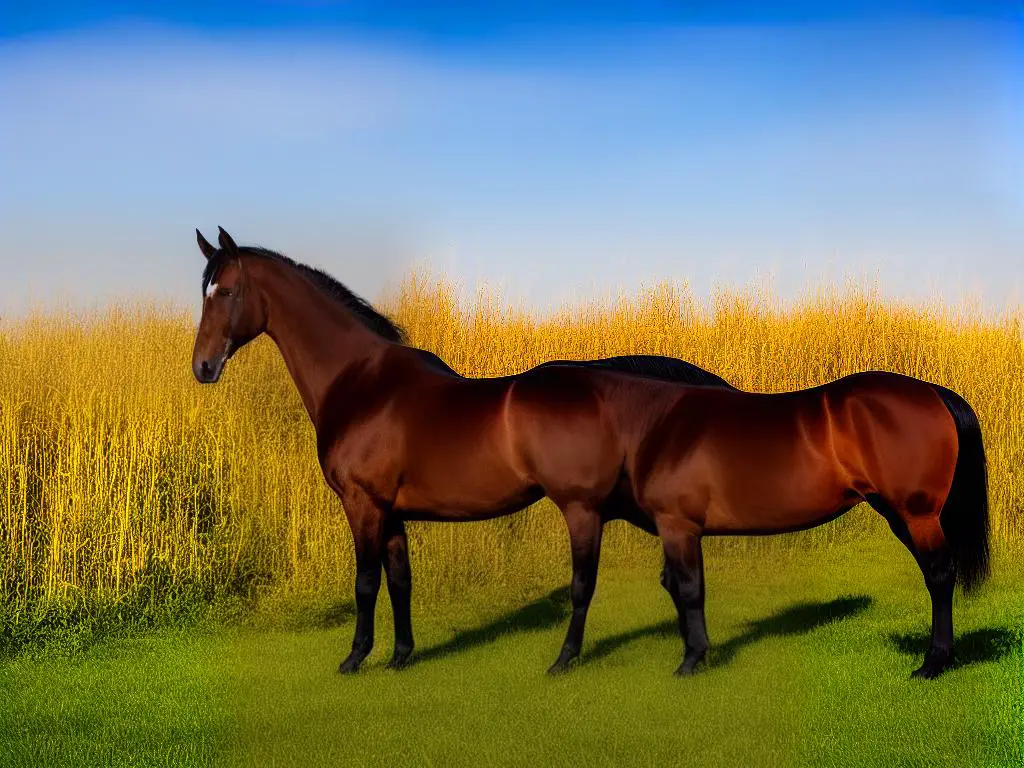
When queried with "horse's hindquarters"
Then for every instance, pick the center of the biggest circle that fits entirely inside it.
(739, 463)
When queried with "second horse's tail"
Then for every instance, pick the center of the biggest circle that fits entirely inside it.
(964, 516)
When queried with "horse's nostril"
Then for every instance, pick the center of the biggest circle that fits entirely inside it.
(203, 371)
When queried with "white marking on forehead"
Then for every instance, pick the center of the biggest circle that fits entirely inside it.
(211, 289)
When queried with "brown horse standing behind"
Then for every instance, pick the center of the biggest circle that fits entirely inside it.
(401, 437)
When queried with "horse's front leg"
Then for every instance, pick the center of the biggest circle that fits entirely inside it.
(399, 576)
(585, 527)
(366, 519)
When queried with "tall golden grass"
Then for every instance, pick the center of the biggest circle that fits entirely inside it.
(123, 481)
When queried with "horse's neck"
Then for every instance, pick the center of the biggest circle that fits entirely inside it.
(318, 337)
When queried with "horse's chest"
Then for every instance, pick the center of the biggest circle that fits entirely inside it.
(365, 452)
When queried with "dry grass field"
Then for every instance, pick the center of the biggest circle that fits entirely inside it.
(128, 493)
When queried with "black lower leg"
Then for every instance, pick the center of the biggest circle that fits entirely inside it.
(683, 577)
(939, 576)
(367, 587)
(399, 579)
(585, 538)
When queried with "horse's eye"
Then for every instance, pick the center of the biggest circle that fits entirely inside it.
(224, 291)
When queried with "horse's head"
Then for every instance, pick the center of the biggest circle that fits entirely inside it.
(232, 316)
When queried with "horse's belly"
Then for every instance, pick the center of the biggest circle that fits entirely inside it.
(478, 497)
(776, 510)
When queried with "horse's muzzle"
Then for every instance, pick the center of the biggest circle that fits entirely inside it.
(207, 371)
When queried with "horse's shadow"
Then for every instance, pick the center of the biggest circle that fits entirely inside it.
(544, 613)
(975, 647)
(335, 615)
(553, 609)
(797, 619)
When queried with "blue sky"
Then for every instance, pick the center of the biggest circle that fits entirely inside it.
(559, 150)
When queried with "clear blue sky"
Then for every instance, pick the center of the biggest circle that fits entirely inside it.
(562, 150)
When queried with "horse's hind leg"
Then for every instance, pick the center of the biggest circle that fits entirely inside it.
(585, 525)
(683, 578)
(920, 531)
(939, 571)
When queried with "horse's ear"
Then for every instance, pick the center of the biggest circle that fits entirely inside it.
(205, 246)
(227, 243)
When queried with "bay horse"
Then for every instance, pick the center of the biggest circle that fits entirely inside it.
(401, 437)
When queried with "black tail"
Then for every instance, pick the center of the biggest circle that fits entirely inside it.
(964, 516)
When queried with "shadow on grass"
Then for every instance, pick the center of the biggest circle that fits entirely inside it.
(544, 613)
(307, 616)
(335, 615)
(797, 619)
(975, 647)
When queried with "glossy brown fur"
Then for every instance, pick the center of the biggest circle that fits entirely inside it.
(401, 437)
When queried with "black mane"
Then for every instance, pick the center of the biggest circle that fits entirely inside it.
(369, 317)
(651, 366)
(647, 366)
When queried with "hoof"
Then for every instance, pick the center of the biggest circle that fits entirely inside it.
(930, 669)
(350, 665)
(561, 666)
(691, 664)
(398, 661)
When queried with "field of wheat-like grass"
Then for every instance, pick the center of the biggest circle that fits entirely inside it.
(127, 489)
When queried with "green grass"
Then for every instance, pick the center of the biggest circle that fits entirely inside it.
(811, 660)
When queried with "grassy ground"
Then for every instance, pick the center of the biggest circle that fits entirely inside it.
(810, 667)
